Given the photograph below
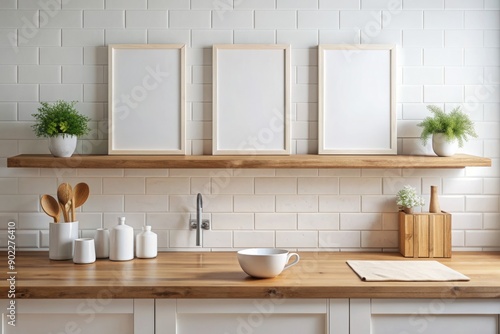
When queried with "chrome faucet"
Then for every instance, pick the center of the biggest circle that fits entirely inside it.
(199, 223)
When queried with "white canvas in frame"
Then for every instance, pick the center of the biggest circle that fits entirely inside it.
(357, 102)
(147, 99)
(251, 99)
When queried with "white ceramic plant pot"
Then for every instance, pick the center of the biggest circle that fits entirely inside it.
(61, 239)
(62, 145)
(442, 147)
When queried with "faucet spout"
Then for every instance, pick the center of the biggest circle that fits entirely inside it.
(199, 213)
(199, 223)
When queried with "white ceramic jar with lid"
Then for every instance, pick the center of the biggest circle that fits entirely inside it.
(146, 243)
(121, 242)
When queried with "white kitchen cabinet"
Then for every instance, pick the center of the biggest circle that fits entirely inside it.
(82, 316)
(424, 316)
(257, 316)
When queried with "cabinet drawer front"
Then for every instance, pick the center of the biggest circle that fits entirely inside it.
(434, 324)
(218, 316)
(84, 316)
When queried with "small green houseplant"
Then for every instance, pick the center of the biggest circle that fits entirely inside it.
(62, 124)
(60, 118)
(407, 198)
(449, 131)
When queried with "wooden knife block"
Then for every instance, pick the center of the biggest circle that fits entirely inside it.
(425, 234)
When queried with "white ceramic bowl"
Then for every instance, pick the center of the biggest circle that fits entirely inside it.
(265, 262)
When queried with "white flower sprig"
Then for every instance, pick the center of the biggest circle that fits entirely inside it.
(408, 198)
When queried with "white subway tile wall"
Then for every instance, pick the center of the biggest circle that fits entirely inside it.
(448, 55)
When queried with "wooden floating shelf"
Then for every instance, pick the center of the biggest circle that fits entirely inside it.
(210, 161)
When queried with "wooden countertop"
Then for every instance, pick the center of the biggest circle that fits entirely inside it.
(218, 275)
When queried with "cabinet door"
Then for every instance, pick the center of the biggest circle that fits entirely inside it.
(83, 316)
(256, 316)
(424, 316)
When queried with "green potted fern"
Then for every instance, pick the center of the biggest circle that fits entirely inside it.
(449, 131)
(62, 124)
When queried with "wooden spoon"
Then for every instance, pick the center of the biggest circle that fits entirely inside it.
(80, 194)
(50, 207)
(64, 195)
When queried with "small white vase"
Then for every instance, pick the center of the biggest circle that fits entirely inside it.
(102, 243)
(442, 146)
(61, 239)
(62, 145)
(121, 242)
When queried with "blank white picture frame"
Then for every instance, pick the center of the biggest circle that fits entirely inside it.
(357, 99)
(146, 107)
(251, 99)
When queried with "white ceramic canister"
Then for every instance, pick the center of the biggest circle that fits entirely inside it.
(102, 243)
(84, 251)
(121, 242)
(61, 238)
(146, 244)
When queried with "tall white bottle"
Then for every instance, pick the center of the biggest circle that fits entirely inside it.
(121, 242)
(146, 244)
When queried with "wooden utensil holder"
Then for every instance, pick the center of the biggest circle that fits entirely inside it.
(425, 234)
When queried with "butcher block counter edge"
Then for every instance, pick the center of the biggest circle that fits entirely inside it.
(218, 275)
